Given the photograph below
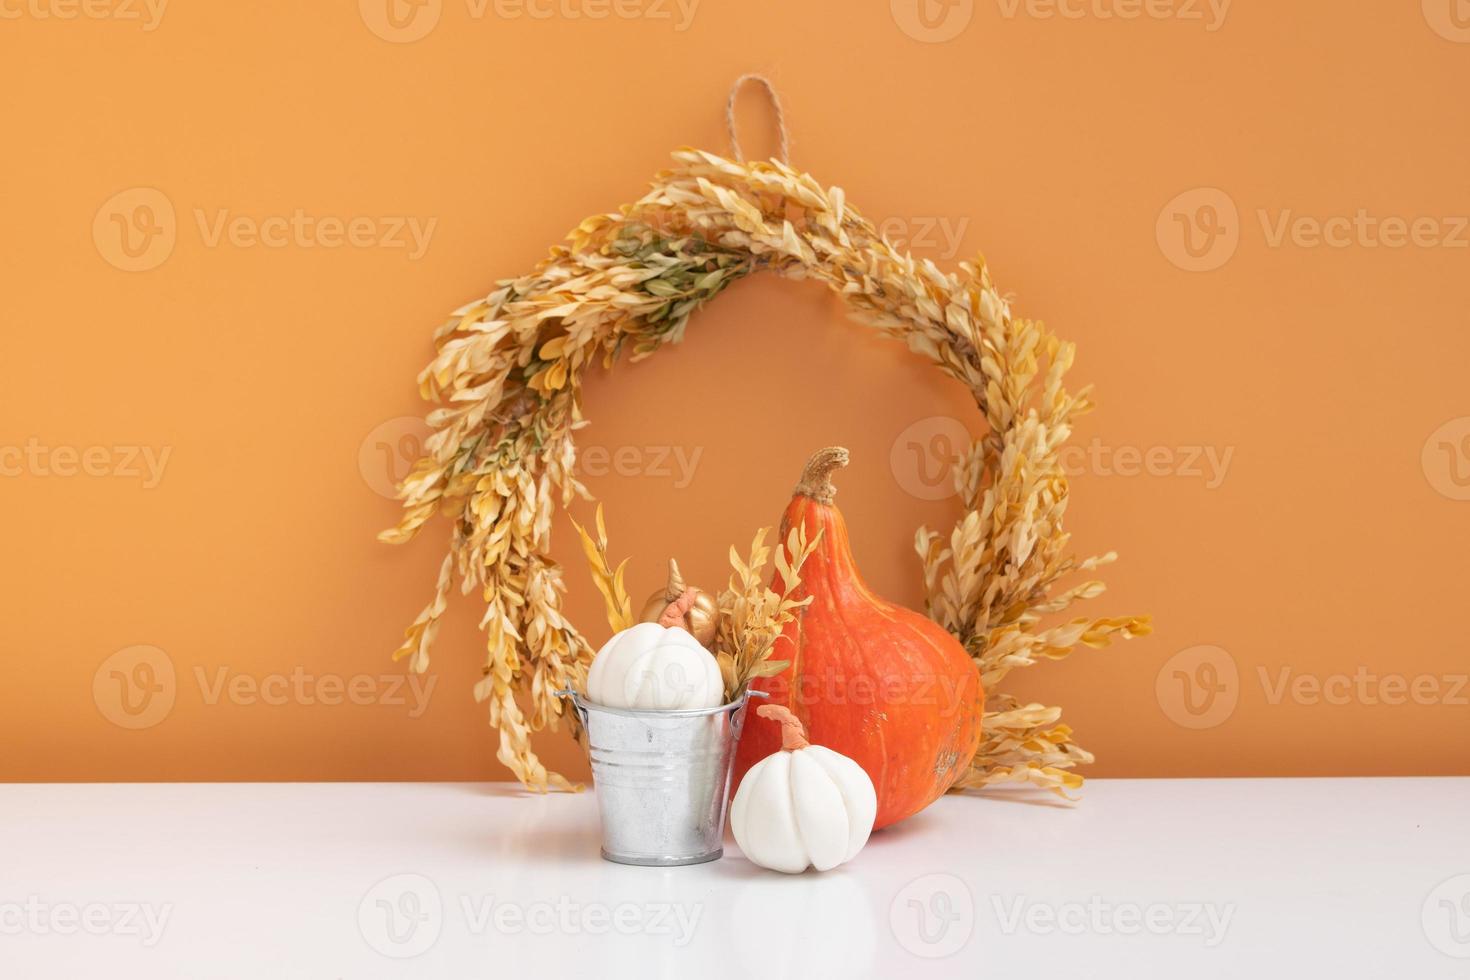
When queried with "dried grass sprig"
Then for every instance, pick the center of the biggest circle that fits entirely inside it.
(752, 615)
(609, 581)
(506, 379)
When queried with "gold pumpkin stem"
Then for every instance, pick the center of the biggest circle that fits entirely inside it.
(793, 732)
(816, 479)
(676, 586)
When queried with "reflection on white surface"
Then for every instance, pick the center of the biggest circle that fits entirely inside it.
(814, 924)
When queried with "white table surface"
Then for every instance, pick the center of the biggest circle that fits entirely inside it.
(1144, 878)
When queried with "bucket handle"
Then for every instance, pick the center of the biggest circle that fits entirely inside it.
(737, 721)
(580, 707)
(571, 695)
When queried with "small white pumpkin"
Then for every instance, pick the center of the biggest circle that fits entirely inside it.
(805, 806)
(649, 666)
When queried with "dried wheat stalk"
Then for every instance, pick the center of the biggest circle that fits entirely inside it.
(507, 379)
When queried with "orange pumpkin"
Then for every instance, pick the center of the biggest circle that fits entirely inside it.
(883, 685)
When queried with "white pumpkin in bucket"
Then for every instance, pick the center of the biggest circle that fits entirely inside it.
(655, 667)
(804, 806)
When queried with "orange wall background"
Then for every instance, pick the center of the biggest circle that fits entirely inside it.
(1249, 216)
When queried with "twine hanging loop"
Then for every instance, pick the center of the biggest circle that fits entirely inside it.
(784, 154)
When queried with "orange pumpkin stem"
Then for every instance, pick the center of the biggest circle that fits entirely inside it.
(816, 479)
(793, 732)
(674, 613)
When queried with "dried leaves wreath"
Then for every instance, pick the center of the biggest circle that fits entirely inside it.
(507, 381)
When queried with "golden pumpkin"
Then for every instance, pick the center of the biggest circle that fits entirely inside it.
(677, 604)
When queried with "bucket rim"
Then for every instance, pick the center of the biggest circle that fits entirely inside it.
(585, 705)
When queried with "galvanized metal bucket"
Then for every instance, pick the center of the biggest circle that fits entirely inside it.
(662, 778)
